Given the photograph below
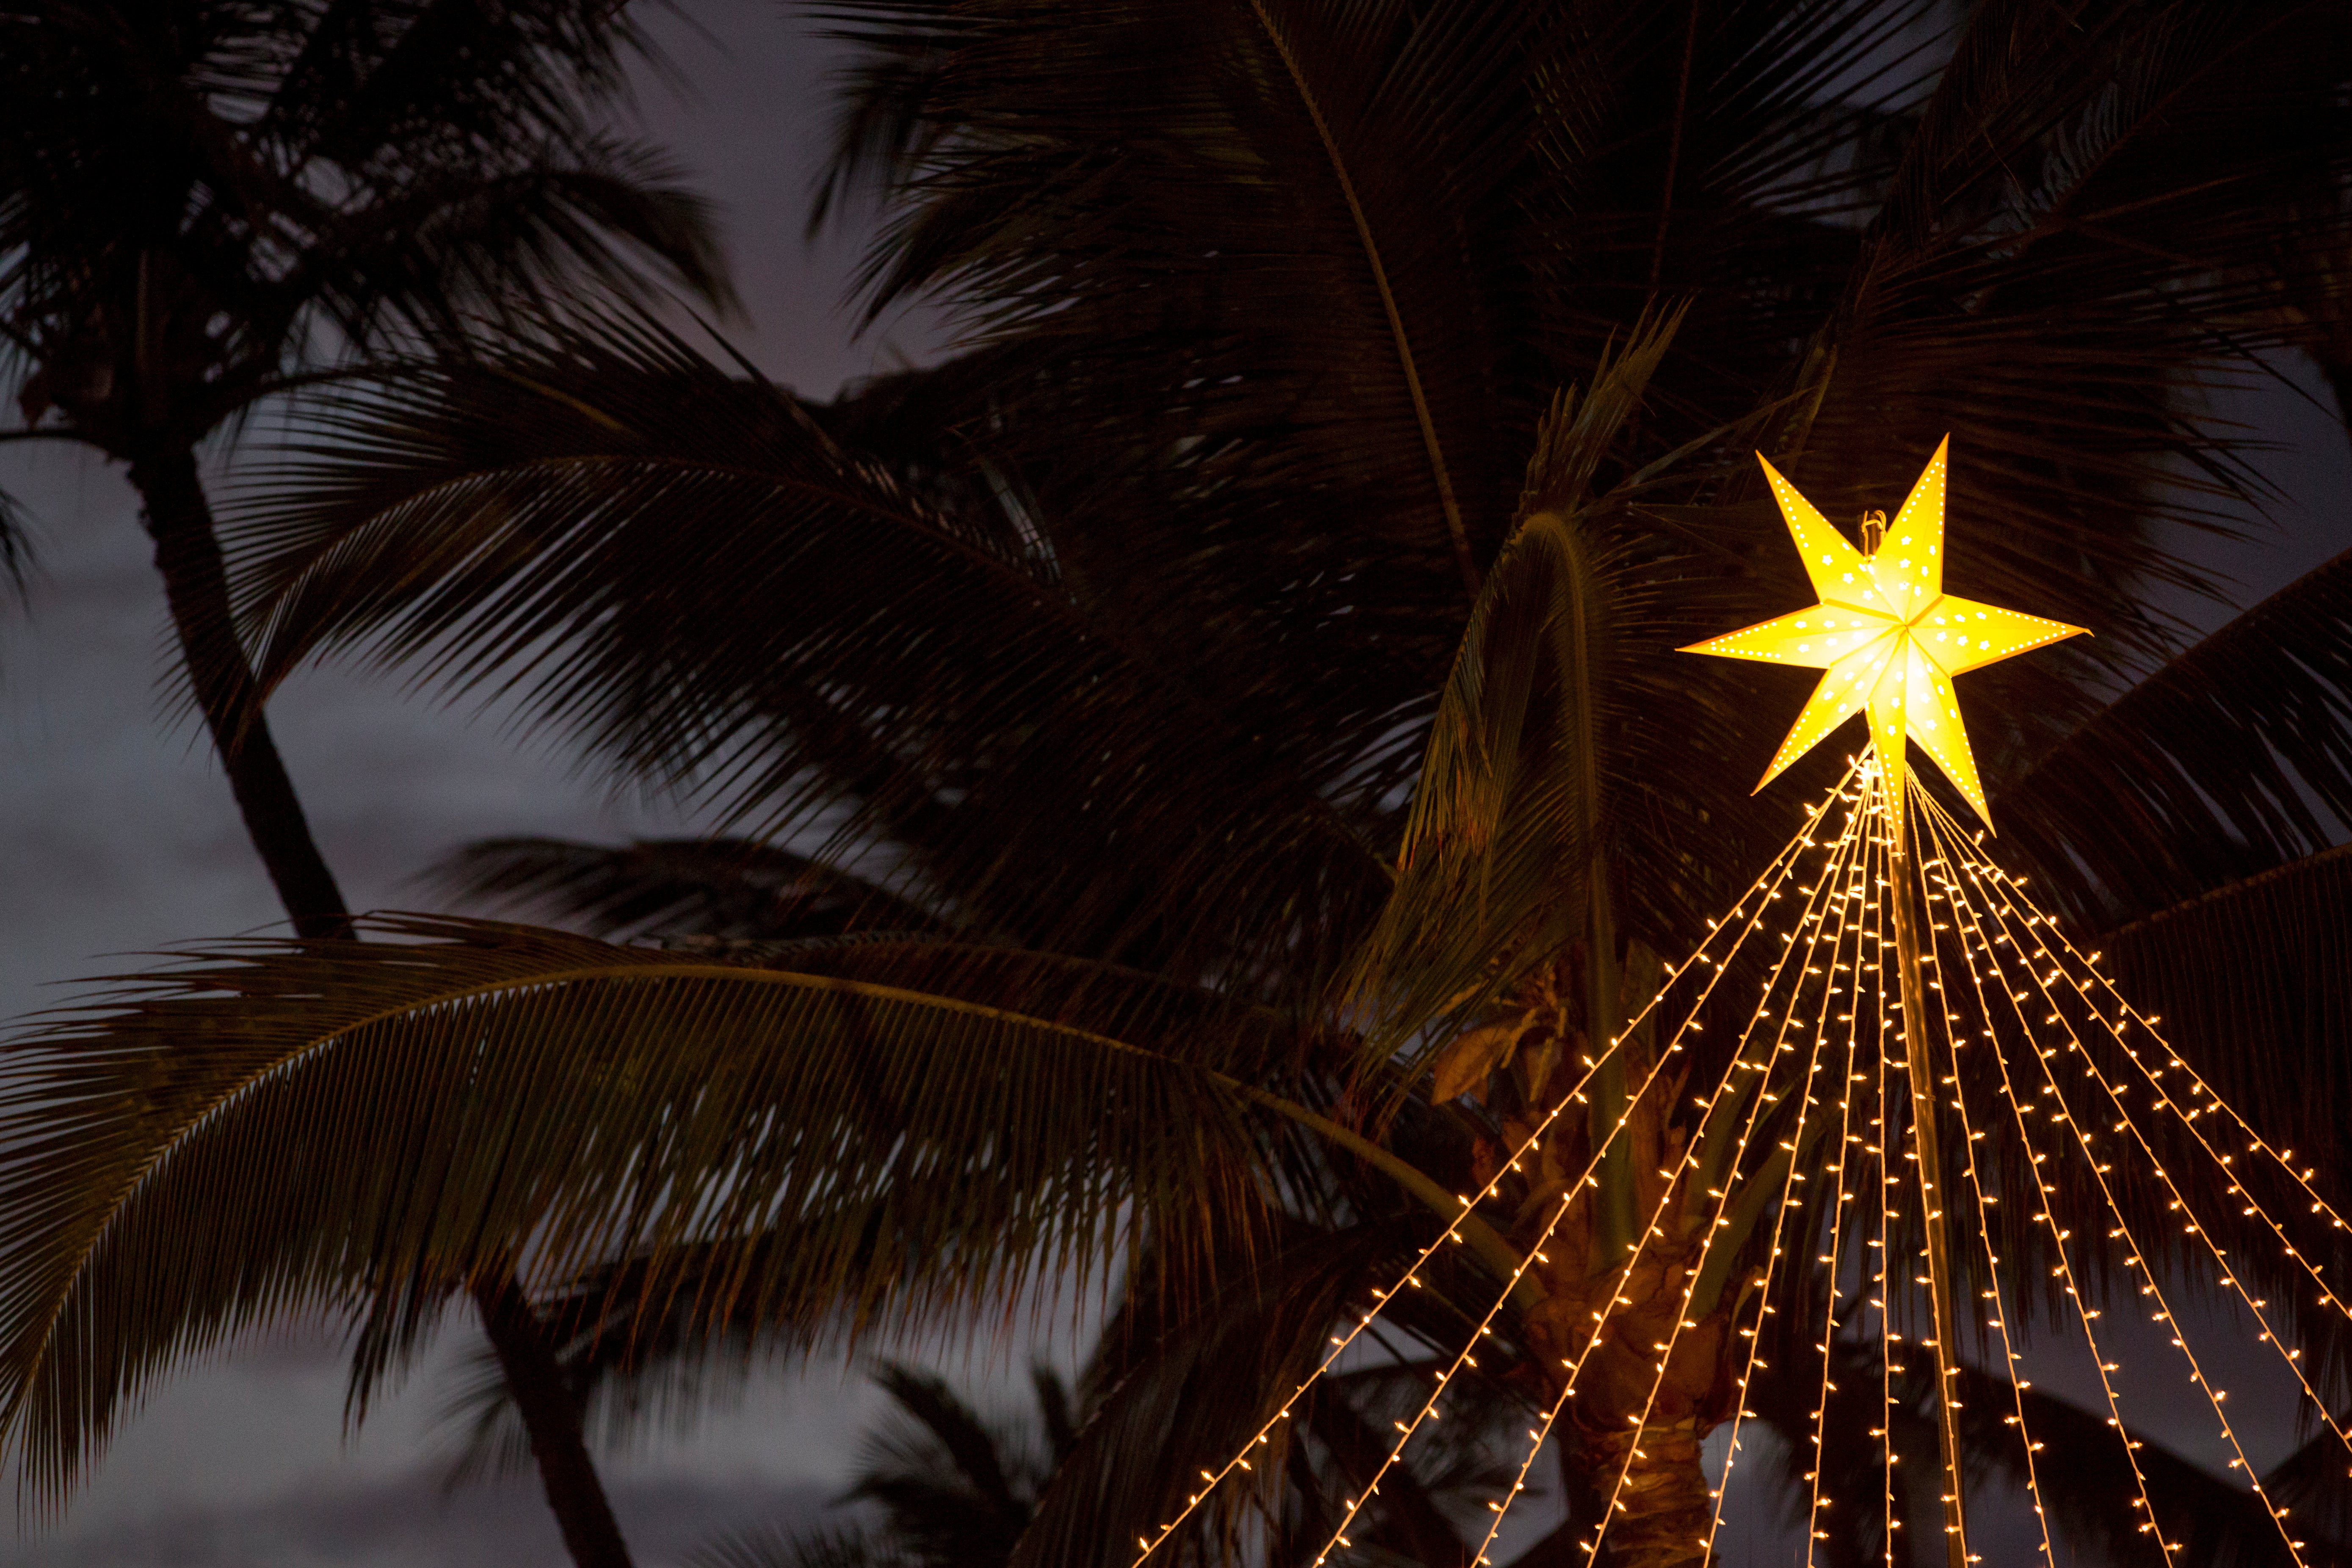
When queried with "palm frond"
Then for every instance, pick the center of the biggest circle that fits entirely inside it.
(278, 1127)
(268, 191)
(2311, 1482)
(766, 1546)
(674, 888)
(2079, 1477)
(1181, 1383)
(443, 255)
(949, 1482)
(2090, 1492)
(2229, 760)
(1534, 778)
(2251, 979)
(469, 520)
(1158, 474)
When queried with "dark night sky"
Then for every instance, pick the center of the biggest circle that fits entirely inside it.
(117, 836)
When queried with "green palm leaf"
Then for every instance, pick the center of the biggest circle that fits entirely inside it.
(544, 522)
(285, 1127)
(2149, 792)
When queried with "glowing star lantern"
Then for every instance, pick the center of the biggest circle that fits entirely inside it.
(1888, 636)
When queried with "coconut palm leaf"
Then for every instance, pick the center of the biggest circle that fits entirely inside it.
(2078, 1471)
(2311, 1482)
(765, 1546)
(2147, 784)
(654, 1345)
(974, 1506)
(290, 1127)
(2089, 1493)
(1554, 728)
(206, 202)
(444, 536)
(2252, 977)
(1169, 483)
(953, 1489)
(673, 887)
(1180, 1383)
(1057, 177)
(422, 226)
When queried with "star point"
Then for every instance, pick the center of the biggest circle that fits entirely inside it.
(1885, 635)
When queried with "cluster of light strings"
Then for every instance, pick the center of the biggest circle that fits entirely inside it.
(2028, 1041)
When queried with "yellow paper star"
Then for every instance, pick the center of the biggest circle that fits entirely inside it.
(1887, 635)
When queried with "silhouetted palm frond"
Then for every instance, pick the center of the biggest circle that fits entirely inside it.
(382, 1120)
(674, 888)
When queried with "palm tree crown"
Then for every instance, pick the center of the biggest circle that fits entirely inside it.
(202, 202)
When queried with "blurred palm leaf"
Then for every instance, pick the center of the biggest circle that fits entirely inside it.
(674, 888)
(2142, 781)
(937, 660)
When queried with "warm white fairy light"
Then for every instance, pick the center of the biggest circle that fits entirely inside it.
(1794, 1144)
(1586, 1178)
(1859, 893)
(2137, 1255)
(2064, 1270)
(2189, 1118)
(1999, 1319)
(1759, 1101)
(2255, 1307)
(1769, 885)
(1839, 853)
(1887, 1180)
(1576, 1366)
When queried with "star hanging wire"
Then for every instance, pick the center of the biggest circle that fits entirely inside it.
(1888, 636)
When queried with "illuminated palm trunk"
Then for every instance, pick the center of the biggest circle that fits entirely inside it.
(1634, 1457)
(1636, 1428)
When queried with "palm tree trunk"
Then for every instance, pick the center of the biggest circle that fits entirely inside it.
(179, 519)
(1662, 1512)
(550, 1413)
(195, 581)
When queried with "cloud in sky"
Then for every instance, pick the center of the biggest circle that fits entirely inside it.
(408, 1521)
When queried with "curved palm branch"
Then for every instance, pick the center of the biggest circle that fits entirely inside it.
(1540, 756)
(938, 663)
(674, 888)
(2147, 781)
(281, 1127)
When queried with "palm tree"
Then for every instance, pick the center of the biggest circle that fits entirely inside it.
(953, 1488)
(203, 204)
(1251, 539)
